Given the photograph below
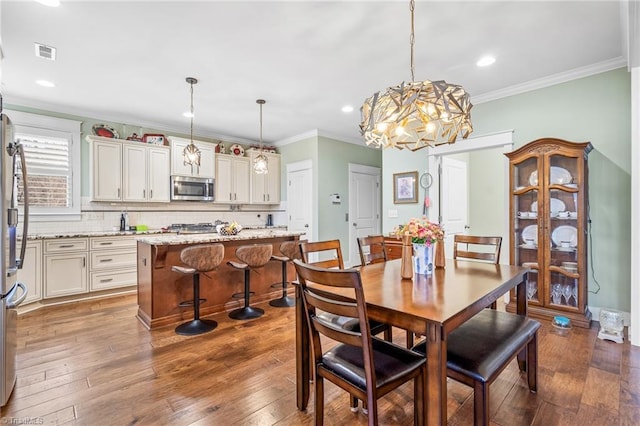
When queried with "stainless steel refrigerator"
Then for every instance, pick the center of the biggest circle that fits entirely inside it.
(12, 292)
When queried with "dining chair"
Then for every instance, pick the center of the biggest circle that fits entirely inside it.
(482, 249)
(331, 255)
(377, 251)
(364, 366)
(479, 349)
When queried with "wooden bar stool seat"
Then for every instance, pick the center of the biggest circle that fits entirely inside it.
(290, 251)
(251, 257)
(199, 259)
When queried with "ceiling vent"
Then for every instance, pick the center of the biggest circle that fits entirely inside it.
(46, 52)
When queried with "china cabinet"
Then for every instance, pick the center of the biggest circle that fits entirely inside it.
(548, 216)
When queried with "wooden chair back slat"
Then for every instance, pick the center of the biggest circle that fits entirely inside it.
(377, 249)
(491, 246)
(323, 248)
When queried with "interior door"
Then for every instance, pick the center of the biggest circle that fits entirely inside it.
(300, 201)
(364, 207)
(453, 199)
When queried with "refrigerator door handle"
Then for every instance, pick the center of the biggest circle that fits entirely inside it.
(25, 196)
(16, 303)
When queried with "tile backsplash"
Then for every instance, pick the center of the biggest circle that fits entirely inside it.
(94, 219)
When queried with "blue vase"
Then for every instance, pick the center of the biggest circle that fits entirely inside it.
(423, 259)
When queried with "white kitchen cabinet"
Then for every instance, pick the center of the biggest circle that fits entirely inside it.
(105, 169)
(31, 272)
(146, 173)
(128, 171)
(265, 188)
(232, 179)
(207, 162)
(65, 267)
(113, 262)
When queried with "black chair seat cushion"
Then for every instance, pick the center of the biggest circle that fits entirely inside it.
(390, 362)
(352, 324)
(480, 347)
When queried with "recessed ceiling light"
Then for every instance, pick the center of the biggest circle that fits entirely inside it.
(187, 114)
(486, 61)
(45, 83)
(50, 3)
(347, 108)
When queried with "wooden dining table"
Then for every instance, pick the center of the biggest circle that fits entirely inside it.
(429, 305)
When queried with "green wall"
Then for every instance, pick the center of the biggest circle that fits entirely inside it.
(333, 168)
(595, 109)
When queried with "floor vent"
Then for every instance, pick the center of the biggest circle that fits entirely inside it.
(46, 52)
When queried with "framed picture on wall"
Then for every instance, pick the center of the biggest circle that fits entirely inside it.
(405, 187)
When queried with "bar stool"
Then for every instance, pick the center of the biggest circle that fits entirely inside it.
(251, 257)
(199, 259)
(290, 251)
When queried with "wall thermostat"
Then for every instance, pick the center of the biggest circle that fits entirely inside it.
(335, 198)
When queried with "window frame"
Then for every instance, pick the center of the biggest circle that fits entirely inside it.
(44, 125)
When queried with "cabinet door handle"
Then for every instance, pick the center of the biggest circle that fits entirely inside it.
(235, 196)
(118, 192)
(106, 243)
(106, 280)
(150, 193)
(84, 262)
(144, 193)
(106, 260)
(230, 196)
(268, 197)
(65, 245)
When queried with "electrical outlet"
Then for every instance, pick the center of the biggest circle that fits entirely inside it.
(95, 216)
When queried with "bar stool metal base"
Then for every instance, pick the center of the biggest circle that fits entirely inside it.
(283, 302)
(195, 327)
(247, 312)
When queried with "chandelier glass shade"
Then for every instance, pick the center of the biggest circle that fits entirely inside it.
(191, 153)
(260, 162)
(417, 114)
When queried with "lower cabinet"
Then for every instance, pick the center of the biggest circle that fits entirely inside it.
(113, 262)
(65, 267)
(31, 272)
(74, 266)
(394, 247)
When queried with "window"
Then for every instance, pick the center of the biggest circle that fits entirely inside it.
(52, 154)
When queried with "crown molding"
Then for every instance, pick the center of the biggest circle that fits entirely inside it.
(551, 80)
(317, 133)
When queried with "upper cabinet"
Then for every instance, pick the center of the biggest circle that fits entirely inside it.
(265, 188)
(128, 171)
(232, 179)
(207, 153)
(549, 189)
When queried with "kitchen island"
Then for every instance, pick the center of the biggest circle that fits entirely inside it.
(160, 290)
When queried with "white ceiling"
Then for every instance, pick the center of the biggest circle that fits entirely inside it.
(126, 61)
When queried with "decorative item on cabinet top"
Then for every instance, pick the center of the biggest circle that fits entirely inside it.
(155, 139)
(267, 148)
(105, 131)
(236, 150)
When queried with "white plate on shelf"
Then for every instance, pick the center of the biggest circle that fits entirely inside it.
(556, 204)
(559, 176)
(530, 233)
(236, 150)
(565, 233)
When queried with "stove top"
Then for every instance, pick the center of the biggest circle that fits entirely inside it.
(192, 228)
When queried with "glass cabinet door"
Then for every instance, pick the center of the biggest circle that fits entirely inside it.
(565, 232)
(525, 192)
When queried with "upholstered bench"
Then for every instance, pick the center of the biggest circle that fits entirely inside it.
(482, 347)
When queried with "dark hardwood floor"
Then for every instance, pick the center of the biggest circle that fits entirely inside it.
(93, 363)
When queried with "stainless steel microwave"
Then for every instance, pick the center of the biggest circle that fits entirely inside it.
(191, 188)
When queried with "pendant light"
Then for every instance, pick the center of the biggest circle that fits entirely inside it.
(261, 163)
(191, 152)
(417, 114)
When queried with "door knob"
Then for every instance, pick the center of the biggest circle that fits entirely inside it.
(306, 225)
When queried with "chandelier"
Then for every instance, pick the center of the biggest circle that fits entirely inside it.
(417, 114)
(191, 153)
(261, 163)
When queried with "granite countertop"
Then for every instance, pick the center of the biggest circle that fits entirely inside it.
(245, 234)
(149, 232)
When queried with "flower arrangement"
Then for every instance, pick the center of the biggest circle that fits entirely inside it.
(421, 231)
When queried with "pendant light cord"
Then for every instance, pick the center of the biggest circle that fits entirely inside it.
(191, 84)
(261, 128)
(412, 39)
